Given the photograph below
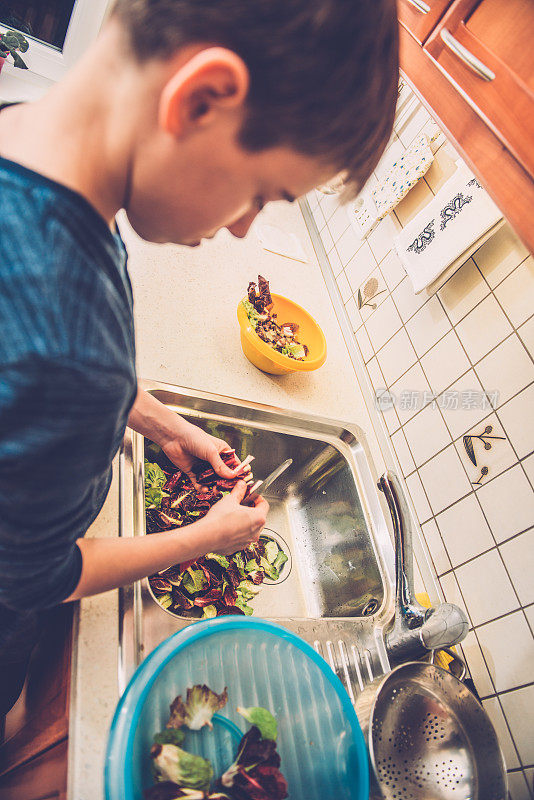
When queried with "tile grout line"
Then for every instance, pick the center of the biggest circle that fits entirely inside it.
(484, 552)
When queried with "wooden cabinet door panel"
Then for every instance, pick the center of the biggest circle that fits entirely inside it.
(42, 778)
(40, 718)
(419, 17)
(500, 35)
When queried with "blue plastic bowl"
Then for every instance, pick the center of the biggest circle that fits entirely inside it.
(320, 742)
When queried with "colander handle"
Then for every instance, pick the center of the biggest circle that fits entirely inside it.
(454, 656)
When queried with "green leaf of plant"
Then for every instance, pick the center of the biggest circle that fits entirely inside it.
(170, 736)
(279, 561)
(271, 551)
(262, 719)
(17, 61)
(360, 299)
(165, 600)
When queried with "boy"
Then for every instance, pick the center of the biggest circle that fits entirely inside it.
(191, 115)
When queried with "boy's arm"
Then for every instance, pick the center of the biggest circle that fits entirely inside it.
(57, 436)
(228, 527)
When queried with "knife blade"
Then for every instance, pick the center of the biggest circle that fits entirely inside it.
(259, 487)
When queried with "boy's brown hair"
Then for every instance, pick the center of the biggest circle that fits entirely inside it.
(323, 73)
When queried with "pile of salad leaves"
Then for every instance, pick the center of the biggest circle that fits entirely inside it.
(281, 337)
(254, 774)
(213, 585)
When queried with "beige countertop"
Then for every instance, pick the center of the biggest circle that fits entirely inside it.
(187, 334)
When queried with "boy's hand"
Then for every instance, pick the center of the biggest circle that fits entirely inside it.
(191, 442)
(231, 526)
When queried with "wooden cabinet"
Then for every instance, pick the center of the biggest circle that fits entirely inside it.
(487, 49)
(42, 778)
(419, 17)
(475, 71)
(33, 756)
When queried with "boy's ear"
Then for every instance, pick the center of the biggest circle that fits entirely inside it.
(213, 80)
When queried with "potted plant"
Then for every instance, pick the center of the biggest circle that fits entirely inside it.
(10, 43)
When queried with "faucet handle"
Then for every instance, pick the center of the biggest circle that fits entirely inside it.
(445, 626)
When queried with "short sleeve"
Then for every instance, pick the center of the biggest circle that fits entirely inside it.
(60, 425)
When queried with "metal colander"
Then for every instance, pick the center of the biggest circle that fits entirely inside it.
(430, 739)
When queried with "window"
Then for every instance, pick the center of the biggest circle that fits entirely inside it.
(46, 22)
(59, 31)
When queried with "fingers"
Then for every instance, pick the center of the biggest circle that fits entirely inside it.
(220, 467)
(239, 491)
(261, 504)
(193, 478)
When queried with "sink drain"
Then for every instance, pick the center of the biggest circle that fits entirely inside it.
(285, 571)
(370, 607)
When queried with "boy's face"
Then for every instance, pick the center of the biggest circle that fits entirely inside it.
(185, 189)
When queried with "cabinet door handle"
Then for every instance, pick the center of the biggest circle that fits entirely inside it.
(466, 56)
(420, 6)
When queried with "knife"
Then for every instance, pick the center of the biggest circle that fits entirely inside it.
(260, 486)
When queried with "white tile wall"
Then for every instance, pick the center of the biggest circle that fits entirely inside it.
(517, 417)
(396, 357)
(466, 515)
(486, 588)
(508, 668)
(483, 328)
(459, 363)
(508, 368)
(508, 503)
(518, 707)
(445, 362)
(518, 555)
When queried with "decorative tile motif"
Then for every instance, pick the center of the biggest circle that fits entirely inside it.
(483, 474)
(484, 438)
(498, 458)
(368, 292)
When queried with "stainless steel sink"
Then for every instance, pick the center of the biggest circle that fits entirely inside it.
(337, 590)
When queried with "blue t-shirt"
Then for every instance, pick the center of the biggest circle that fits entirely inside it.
(67, 384)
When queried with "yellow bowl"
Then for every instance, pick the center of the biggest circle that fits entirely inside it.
(270, 360)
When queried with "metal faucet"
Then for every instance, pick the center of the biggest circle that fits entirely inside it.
(416, 629)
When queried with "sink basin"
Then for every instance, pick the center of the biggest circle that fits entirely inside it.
(336, 590)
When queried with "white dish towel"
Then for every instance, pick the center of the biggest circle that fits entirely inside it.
(460, 213)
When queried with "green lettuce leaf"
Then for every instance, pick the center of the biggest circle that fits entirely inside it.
(240, 603)
(155, 480)
(171, 763)
(280, 560)
(240, 564)
(269, 569)
(194, 580)
(252, 314)
(222, 560)
(271, 550)
(209, 612)
(170, 736)
(262, 719)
